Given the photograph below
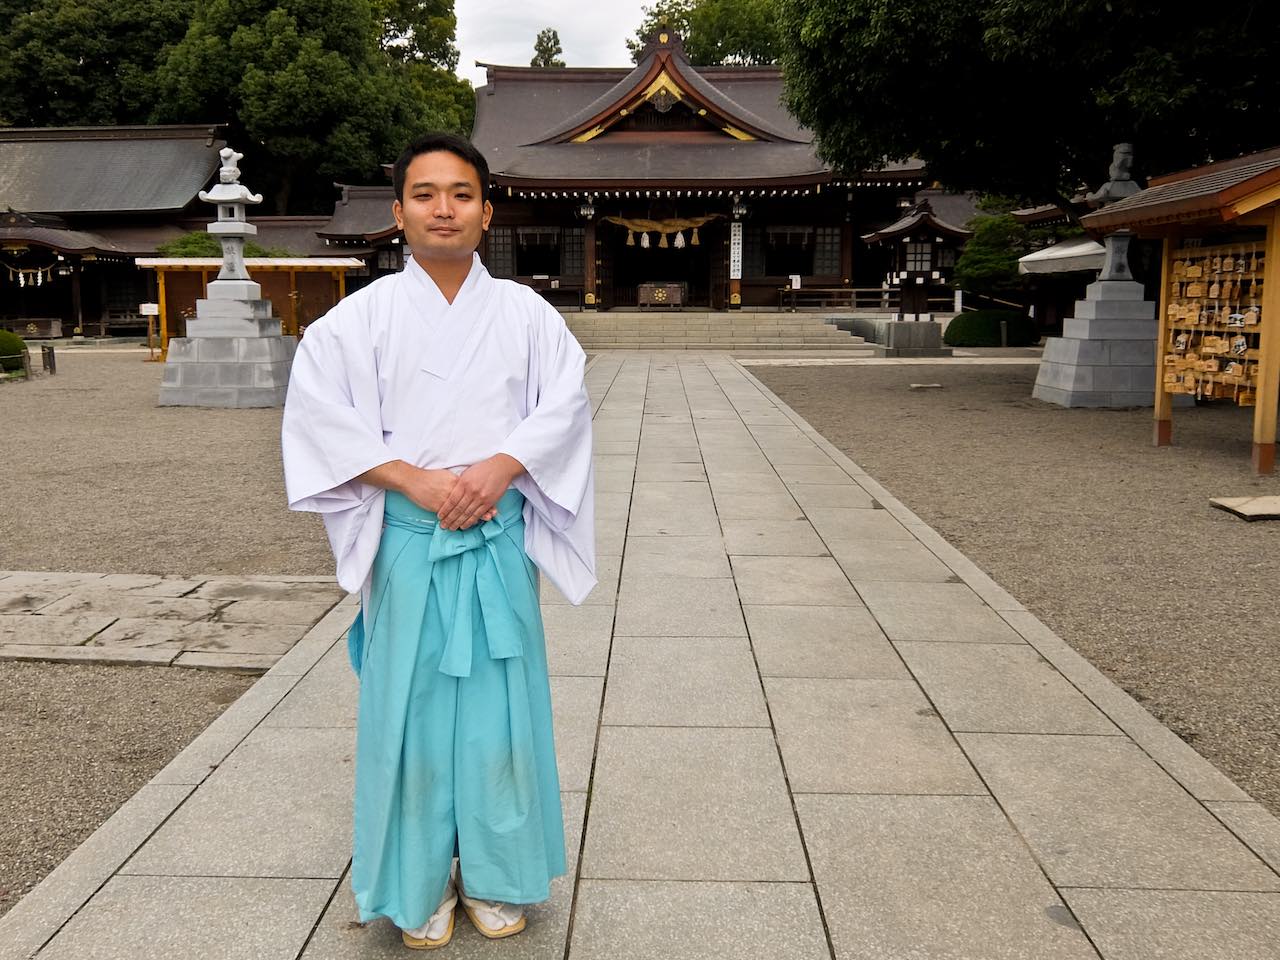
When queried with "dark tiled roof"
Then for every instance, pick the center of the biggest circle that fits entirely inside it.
(363, 213)
(297, 235)
(1192, 194)
(626, 88)
(60, 239)
(921, 216)
(715, 162)
(517, 111)
(81, 170)
(954, 208)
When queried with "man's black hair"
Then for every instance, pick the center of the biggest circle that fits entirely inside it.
(449, 142)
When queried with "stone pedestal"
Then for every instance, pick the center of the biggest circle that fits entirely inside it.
(233, 354)
(1106, 356)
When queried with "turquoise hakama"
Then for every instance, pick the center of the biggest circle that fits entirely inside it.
(454, 739)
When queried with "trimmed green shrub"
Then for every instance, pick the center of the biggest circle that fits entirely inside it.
(201, 244)
(12, 347)
(981, 328)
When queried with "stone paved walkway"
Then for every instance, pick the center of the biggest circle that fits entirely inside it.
(799, 725)
(242, 623)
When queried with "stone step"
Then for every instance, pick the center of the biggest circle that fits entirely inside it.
(850, 351)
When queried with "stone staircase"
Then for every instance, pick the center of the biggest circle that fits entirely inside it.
(729, 330)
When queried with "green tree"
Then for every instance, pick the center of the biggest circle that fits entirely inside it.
(1027, 97)
(310, 91)
(547, 49)
(988, 264)
(84, 62)
(420, 31)
(715, 31)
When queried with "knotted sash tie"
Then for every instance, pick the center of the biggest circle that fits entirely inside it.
(480, 576)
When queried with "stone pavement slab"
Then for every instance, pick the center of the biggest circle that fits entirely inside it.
(865, 736)
(793, 580)
(1098, 812)
(643, 919)
(937, 877)
(660, 606)
(934, 611)
(223, 918)
(1001, 688)
(684, 682)
(809, 641)
(1179, 924)
(277, 807)
(681, 803)
(792, 721)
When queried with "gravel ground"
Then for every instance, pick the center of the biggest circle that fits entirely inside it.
(79, 741)
(100, 479)
(105, 481)
(1109, 540)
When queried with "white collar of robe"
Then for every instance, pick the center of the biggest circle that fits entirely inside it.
(451, 324)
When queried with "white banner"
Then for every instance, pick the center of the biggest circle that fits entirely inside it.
(735, 251)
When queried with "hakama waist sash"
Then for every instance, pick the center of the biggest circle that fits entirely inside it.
(481, 575)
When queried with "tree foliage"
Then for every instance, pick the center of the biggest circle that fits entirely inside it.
(547, 49)
(988, 264)
(715, 31)
(310, 90)
(419, 31)
(84, 62)
(1027, 97)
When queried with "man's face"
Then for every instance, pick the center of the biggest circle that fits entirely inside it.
(441, 213)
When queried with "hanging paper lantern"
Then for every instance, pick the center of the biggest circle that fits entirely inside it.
(644, 240)
(693, 241)
(663, 241)
(679, 240)
(631, 238)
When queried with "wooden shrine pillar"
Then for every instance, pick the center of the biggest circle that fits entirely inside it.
(77, 311)
(846, 253)
(1264, 415)
(589, 265)
(1164, 399)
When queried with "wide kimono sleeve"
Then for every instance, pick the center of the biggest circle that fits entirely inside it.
(554, 443)
(331, 433)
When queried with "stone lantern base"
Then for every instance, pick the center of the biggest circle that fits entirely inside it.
(233, 355)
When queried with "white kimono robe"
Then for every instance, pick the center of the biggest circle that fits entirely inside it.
(396, 372)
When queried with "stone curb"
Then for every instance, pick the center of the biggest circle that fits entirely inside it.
(1256, 828)
(39, 915)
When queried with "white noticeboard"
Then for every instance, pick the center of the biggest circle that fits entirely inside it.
(735, 251)
(149, 309)
(795, 280)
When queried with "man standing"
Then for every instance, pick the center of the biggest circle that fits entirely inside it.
(438, 420)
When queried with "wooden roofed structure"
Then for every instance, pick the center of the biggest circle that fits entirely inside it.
(598, 173)
(1219, 313)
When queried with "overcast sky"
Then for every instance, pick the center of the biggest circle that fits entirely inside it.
(592, 32)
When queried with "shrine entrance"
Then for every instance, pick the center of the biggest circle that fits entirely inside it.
(677, 275)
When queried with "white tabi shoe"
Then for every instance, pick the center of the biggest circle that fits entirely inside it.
(492, 918)
(438, 930)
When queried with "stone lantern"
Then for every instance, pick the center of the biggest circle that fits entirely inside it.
(233, 354)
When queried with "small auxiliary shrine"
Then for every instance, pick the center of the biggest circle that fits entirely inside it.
(1220, 298)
